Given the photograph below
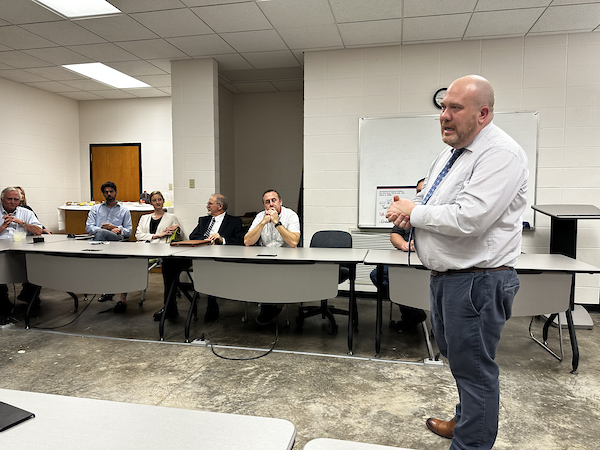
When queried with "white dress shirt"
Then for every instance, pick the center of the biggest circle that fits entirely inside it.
(269, 236)
(474, 218)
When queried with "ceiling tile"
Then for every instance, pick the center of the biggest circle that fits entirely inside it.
(495, 5)
(205, 45)
(435, 27)
(21, 76)
(572, 2)
(20, 39)
(498, 23)
(136, 68)
(103, 52)
(421, 8)
(268, 60)
(211, 2)
(133, 6)
(86, 84)
(50, 86)
(569, 18)
(64, 32)
(289, 86)
(293, 13)
(251, 88)
(81, 95)
(20, 60)
(153, 49)
(233, 17)
(322, 36)
(58, 55)
(232, 61)
(360, 11)
(146, 92)
(177, 22)
(156, 80)
(114, 94)
(162, 64)
(255, 41)
(24, 11)
(286, 73)
(56, 73)
(374, 32)
(117, 28)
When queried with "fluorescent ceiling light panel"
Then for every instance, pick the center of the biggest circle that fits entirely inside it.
(106, 75)
(78, 9)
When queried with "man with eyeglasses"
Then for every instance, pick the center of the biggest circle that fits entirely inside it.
(219, 228)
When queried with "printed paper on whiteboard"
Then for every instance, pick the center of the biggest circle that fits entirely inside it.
(385, 197)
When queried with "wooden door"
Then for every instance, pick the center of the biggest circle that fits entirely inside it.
(119, 163)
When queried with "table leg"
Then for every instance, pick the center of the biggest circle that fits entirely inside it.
(163, 317)
(379, 317)
(352, 309)
(28, 312)
(75, 301)
(189, 317)
(572, 335)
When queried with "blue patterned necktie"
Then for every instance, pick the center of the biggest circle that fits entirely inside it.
(443, 173)
(209, 229)
(455, 154)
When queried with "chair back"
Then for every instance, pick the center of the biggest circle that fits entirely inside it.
(331, 239)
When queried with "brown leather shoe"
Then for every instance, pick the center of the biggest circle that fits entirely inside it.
(441, 427)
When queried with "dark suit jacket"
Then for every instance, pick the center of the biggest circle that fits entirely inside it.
(231, 229)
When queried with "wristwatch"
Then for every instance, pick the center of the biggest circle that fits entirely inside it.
(277, 224)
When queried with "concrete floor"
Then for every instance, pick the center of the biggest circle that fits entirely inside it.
(308, 379)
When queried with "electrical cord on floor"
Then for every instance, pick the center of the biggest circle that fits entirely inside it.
(68, 323)
(206, 337)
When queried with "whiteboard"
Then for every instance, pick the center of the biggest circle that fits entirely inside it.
(397, 151)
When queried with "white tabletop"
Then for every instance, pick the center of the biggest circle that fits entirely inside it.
(255, 253)
(526, 261)
(74, 247)
(335, 444)
(78, 423)
(569, 211)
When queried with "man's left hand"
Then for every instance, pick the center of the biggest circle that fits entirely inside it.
(272, 213)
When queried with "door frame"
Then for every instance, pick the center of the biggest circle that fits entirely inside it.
(139, 147)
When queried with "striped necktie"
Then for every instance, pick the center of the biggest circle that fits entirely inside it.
(442, 174)
(209, 229)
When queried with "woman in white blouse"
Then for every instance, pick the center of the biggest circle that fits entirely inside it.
(158, 226)
(155, 227)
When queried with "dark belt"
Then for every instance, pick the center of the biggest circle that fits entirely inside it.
(435, 273)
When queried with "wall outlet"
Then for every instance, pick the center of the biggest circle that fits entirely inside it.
(170, 186)
(192, 183)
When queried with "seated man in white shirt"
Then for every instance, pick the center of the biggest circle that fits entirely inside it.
(14, 219)
(276, 226)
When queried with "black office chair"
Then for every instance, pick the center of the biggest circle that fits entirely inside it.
(329, 239)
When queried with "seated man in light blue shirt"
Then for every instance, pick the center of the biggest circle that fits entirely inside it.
(110, 221)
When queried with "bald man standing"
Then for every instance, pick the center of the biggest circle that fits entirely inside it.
(467, 224)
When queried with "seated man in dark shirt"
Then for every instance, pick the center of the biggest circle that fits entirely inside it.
(221, 229)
